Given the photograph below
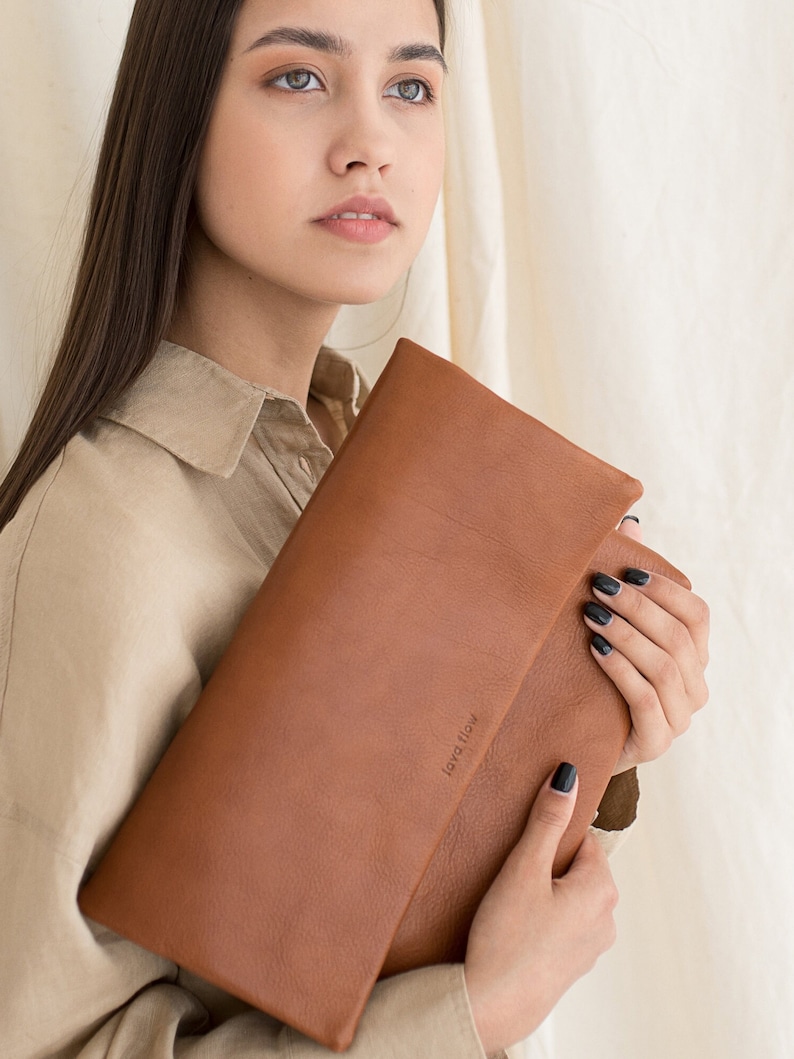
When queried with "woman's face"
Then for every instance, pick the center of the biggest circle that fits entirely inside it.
(326, 108)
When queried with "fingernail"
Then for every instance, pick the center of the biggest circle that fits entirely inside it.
(604, 647)
(600, 615)
(636, 577)
(564, 778)
(606, 584)
(632, 517)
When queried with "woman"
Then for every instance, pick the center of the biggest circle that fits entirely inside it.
(265, 161)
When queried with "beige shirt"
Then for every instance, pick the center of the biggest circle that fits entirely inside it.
(122, 579)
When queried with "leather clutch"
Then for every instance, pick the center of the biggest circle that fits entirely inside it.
(365, 754)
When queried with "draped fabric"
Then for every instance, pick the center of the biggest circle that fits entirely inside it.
(614, 253)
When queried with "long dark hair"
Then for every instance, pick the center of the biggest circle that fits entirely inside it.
(128, 278)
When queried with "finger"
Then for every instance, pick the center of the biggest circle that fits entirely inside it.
(651, 625)
(630, 527)
(590, 860)
(659, 668)
(590, 875)
(549, 817)
(678, 601)
(656, 718)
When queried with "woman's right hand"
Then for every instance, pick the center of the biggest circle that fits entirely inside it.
(533, 935)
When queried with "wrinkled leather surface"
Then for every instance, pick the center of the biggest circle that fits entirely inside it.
(565, 710)
(365, 754)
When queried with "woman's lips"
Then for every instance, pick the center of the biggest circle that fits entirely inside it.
(360, 220)
(358, 229)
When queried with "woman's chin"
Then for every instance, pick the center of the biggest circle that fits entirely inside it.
(364, 292)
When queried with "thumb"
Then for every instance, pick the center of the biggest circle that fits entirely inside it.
(630, 525)
(549, 817)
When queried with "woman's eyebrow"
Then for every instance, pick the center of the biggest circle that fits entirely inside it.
(319, 40)
(407, 53)
(307, 38)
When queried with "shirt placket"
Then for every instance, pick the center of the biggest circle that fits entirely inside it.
(291, 443)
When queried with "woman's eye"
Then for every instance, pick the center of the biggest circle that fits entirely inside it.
(297, 81)
(411, 92)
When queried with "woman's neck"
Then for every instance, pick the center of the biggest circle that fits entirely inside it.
(260, 332)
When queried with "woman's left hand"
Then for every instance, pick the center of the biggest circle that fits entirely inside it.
(652, 641)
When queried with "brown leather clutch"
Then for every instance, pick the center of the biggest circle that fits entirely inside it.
(365, 754)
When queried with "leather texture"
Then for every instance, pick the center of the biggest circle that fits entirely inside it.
(366, 752)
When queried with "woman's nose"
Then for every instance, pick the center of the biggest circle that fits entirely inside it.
(363, 138)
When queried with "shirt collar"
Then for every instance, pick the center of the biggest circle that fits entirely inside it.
(204, 414)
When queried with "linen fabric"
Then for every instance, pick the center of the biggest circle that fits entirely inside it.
(122, 578)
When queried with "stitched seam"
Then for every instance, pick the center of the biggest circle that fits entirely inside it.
(16, 582)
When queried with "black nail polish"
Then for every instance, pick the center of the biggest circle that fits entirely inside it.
(604, 647)
(632, 517)
(564, 778)
(606, 584)
(598, 614)
(636, 577)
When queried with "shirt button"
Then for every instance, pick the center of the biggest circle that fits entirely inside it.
(306, 466)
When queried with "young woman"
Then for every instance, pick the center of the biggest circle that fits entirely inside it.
(265, 161)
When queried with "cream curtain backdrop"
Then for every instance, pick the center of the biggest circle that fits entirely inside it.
(615, 254)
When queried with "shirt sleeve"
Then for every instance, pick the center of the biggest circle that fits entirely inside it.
(422, 1012)
(97, 671)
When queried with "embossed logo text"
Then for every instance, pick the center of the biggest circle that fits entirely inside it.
(463, 737)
